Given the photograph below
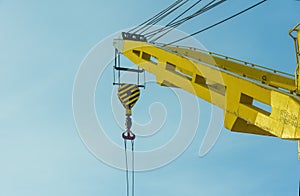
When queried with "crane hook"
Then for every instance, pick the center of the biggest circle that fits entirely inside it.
(128, 95)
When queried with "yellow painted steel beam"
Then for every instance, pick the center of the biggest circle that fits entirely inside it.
(228, 83)
(275, 78)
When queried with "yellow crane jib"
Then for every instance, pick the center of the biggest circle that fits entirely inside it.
(128, 95)
(229, 83)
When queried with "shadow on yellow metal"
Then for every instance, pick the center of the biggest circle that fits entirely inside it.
(255, 99)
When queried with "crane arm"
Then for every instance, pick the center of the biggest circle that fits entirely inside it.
(231, 84)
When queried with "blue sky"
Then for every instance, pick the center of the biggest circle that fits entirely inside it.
(42, 46)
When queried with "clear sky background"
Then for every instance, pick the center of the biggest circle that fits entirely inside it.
(42, 44)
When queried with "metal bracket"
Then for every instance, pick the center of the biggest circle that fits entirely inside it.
(134, 37)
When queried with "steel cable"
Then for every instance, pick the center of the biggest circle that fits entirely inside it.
(156, 16)
(160, 18)
(201, 11)
(220, 22)
(181, 21)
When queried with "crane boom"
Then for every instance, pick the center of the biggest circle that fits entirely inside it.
(231, 84)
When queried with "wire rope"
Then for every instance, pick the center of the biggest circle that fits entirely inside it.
(218, 23)
(156, 16)
(126, 165)
(201, 11)
(181, 21)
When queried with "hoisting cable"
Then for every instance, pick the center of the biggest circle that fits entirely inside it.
(201, 11)
(181, 21)
(220, 22)
(127, 169)
(126, 165)
(179, 16)
(132, 171)
(162, 17)
(147, 22)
